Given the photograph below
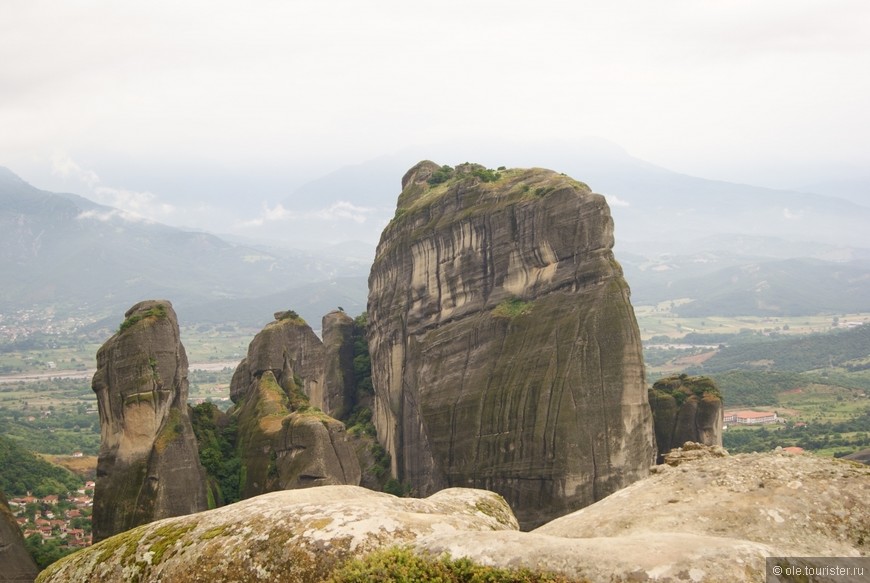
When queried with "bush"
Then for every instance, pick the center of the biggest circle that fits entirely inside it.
(158, 311)
(398, 564)
(486, 175)
(512, 308)
(397, 488)
(443, 174)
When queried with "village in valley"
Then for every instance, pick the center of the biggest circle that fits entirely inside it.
(64, 519)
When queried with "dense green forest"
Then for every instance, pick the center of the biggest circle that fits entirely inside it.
(217, 437)
(752, 389)
(847, 348)
(50, 434)
(22, 471)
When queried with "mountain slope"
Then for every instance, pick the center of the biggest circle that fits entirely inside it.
(66, 250)
(732, 285)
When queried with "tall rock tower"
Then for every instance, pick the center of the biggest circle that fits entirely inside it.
(505, 351)
(149, 464)
(285, 441)
(686, 408)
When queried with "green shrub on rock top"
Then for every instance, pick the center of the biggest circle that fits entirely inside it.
(397, 564)
(683, 386)
(486, 175)
(158, 311)
(443, 174)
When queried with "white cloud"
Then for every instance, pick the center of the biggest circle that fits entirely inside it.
(343, 210)
(614, 200)
(130, 205)
(792, 216)
(140, 203)
(63, 165)
(105, 216)
(338, 211)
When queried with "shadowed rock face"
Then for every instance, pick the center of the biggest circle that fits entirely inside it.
(17, 565)
(284, 442)
(686, 409)
(148, 466)
(505, 352)
(338, 384)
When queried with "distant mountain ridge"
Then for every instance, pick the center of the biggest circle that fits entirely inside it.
(648, 202)
(65, 250)
(676, 236)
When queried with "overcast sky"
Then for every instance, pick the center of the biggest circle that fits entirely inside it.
(143, 104)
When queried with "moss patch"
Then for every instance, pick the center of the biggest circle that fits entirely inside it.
(215, 532)
(128, 540)
(158, 311)
(168, 535)
(398, 564)
(512, 308)
(171, 431)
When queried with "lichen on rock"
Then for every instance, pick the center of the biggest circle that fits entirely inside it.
(294, 535)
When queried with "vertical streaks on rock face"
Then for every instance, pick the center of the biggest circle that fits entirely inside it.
(505, 352)
(148, 466)
(339, 386)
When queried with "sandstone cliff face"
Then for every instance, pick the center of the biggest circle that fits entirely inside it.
(713, 518)
(17, 565)
(148, 466)
(505, 352)
(285, 442)
(686, 409)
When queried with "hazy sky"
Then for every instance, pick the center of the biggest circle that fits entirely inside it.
(152, 105)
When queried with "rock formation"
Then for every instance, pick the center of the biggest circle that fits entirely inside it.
(283, 441)
(339, 386)
(505, 352)
(860, 456)
(686, 409)
(148, 466)
(293, 536)
(17, 565)
(711, 519)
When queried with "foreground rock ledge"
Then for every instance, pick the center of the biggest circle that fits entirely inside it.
(294, 535)
(712, 518)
